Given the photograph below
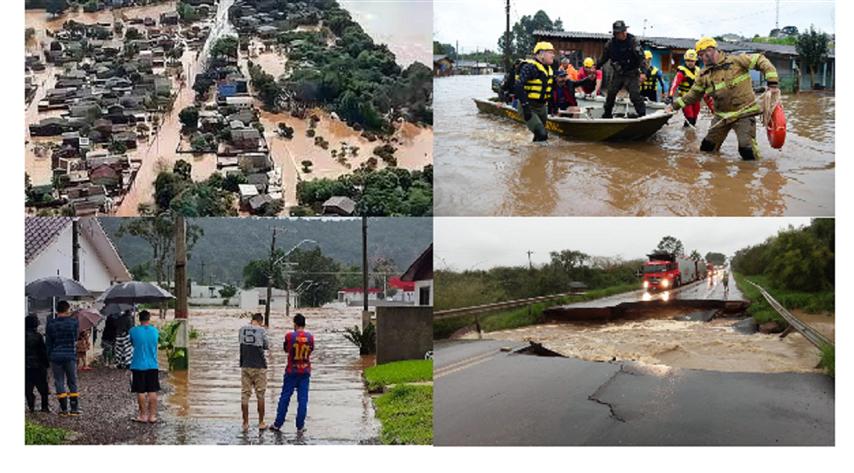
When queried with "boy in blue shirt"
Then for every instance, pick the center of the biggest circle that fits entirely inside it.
(145, 376)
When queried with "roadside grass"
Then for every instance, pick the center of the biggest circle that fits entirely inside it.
(522, 316)
(406, 414)
(811, 302)
(37, 434)
(828, 356)
(398, 372)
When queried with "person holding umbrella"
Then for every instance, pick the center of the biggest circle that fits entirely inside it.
(61, 342)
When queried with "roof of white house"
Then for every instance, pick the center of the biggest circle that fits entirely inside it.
(41, 232)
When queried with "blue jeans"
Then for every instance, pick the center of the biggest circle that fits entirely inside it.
(64, 371)
(291, 382)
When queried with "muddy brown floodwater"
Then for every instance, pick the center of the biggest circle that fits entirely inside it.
(488, 166)
(207, 397)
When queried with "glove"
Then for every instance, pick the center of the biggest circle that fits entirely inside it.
(668, 100)
(526, 112)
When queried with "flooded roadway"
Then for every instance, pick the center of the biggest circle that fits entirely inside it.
(206, 400)
(673, 337)
(488, 166)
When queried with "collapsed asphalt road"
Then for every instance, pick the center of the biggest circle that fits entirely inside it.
(487, 396)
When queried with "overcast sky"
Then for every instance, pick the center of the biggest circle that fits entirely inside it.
(486, 242)
(477, 24)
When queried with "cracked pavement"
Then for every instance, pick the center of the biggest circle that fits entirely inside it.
(503, 398)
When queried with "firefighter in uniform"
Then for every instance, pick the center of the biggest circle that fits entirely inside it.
(684, 80)
(726, 79)
(533, 89)
(624, 53)
(653, 75)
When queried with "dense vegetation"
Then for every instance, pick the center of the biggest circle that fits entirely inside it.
(385, 192)
(175, 190)
(352, 75)
(796, 259)
(37, 434)
(228, 244)
(475, 287)
(308, 265)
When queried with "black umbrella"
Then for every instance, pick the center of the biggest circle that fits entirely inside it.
(55, 286)
(135, 292)
(115, 310)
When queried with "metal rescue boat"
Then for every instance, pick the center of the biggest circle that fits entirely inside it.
(585, 123)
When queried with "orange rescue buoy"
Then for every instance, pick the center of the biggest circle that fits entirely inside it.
(777, 127)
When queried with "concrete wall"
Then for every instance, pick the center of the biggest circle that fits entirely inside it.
(404, 333)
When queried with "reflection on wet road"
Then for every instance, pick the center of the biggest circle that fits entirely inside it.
(488, 166)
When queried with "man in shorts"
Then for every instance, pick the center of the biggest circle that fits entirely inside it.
(253, 368)
(145, 381)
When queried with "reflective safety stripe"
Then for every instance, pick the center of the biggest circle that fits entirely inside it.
(771, 75)
(732, 83)
(745, 111)
(535, 87)
(680, 103)
(73, 394)
(61, 395)
(753, 60)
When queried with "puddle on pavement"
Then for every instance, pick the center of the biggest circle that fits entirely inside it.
(205, 405)
(488, 166)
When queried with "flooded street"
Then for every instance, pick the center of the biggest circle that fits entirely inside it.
(488, 166)
(207, 397)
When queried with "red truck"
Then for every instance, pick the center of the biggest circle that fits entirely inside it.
(664, 271)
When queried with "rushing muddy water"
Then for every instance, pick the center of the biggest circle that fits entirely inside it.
(206, 399)
(488, 166)
(665, 336)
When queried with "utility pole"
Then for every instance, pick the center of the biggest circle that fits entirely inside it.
(366, 316)
(202, 279)
(777, 17)
(270, 273)
(530, 266)
(181, 361)
(75, 250)
(507, 64)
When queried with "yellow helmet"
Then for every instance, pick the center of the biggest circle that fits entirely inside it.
(588, 62)
(690, 55)
(647, 54)
(543, 46)
(705, 43)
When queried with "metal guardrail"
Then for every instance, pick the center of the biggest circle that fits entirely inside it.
(481, 309)
(811, 334)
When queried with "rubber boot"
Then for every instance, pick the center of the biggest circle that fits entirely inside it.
(31, 404)
(640, 109)
(75, 406)
(45, 407)
(63, 405)
(538, 138)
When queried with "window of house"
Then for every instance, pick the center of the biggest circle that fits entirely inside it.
(424, 296)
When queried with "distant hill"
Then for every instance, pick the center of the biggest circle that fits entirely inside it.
(229, 244)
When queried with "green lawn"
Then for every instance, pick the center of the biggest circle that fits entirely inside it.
(522, 316)
(406, 413)
(36, 434)
(398, 372)
(828, 359)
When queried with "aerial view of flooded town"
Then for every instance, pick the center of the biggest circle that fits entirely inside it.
(229, 107)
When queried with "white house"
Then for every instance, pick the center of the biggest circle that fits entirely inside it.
(49, 251)
(255, 298)
(421, 273)
(353, 295)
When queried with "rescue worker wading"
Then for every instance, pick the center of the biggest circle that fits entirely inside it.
(624, 52)
(727, 80)
(653, 75)
(684, 80)
(533, 89)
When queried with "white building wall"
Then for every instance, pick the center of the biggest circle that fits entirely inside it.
(94, 274)
(428, 283)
